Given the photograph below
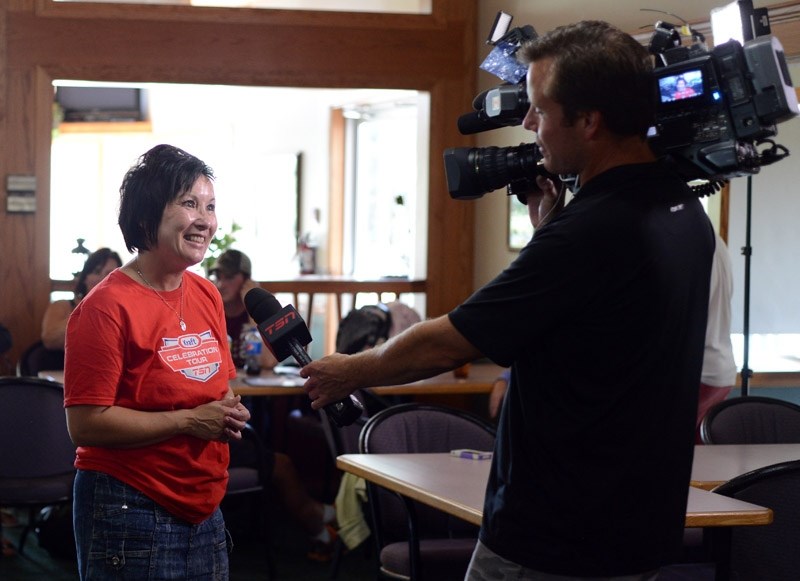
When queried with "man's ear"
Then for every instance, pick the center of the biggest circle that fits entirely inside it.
(591, 121)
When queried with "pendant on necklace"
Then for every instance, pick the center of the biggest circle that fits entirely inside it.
(163, 300)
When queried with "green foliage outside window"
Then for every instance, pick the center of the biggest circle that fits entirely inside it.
(220, 243)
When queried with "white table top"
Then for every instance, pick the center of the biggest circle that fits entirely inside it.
(457, 486)
(715, 464)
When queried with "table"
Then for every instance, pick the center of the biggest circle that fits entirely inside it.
(480, 379)
(457, 487)
(716, 464)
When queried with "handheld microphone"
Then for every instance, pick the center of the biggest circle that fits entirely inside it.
(285, 333)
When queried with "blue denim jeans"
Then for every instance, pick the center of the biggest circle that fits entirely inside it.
(121, 534)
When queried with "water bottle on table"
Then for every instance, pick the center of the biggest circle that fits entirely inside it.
(252, 349)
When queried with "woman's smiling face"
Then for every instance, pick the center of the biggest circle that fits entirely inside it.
(188, 224)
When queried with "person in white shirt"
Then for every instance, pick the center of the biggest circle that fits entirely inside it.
(719, 367)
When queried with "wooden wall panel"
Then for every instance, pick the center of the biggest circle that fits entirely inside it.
(23, 280)
(43, 40)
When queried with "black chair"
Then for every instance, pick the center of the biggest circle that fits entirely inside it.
(37, 455)
(247, 473)
(762, 552)
(744, 420)
(38, 358)
(414, 541)
(751, 420)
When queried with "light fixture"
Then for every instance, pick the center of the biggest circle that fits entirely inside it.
(502, 22)
(738, 21)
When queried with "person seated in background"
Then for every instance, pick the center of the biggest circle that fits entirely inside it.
(498, 393)
(98, 265)
(231, 272)
(48, 352)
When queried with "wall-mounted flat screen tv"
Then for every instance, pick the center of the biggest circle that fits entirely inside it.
(101, 103)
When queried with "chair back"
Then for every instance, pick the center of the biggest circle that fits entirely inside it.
(247, 471)
(36, 454)
(751, 420)
(38, 358)
(423, 428)
(766, 552)
(33, 429)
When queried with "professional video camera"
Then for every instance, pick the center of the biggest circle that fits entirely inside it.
(474, 171)
(715, 111)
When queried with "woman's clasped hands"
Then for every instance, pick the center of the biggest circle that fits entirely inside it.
(221, 420)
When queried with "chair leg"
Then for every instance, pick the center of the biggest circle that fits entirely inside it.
(338, 551)
(26, 529)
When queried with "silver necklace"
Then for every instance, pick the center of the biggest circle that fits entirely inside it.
(163, 300)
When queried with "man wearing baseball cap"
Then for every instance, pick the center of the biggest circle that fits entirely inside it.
(232, 262)
(231, 272)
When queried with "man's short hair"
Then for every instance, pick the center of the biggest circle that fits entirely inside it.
(597, 67)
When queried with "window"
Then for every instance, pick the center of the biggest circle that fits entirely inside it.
(253, 139)
(382, 194)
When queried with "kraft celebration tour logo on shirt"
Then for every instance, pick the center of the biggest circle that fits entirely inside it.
(197, 356)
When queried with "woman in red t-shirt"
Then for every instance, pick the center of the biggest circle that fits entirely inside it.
(146, 388)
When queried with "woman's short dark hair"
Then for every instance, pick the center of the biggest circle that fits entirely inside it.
(158, 178)
(597, 67)
(94, 262)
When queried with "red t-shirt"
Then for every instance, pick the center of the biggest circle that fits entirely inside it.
(125, 348)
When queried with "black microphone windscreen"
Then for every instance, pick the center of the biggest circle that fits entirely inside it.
(261, 304)
(470, 123)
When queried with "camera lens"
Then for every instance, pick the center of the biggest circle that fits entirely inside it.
(475, 171)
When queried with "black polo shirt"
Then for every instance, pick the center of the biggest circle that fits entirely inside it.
(602, 318)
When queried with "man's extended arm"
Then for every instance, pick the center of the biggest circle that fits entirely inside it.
(424, 350)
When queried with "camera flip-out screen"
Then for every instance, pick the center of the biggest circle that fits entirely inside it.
(685, 85)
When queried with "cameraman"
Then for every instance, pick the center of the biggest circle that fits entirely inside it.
(602, 321)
